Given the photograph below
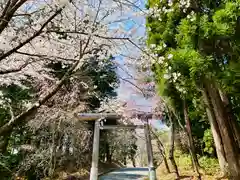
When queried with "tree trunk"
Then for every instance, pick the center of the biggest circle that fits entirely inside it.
(124, 160)
(190, 139)
(4, 144)
(216, 133)
(133, 161)
(161, 150)
(230, 147)
(108, 155)
(232, 119)
(171, 149)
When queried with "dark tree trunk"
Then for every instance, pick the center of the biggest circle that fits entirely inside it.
(107, 150)
(4, 143)
(230, 147)
(125, 161)
(232, 119)
(190, 139)
(133, 161)
(215, 132)
(171, 149)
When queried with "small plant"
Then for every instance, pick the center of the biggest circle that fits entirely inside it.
(209, 164)
(208, 142)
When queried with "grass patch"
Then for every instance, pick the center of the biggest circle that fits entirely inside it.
(210, 167)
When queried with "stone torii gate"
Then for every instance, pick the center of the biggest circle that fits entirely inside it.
(99, 118)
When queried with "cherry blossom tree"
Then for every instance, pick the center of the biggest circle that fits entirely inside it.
(34, 33)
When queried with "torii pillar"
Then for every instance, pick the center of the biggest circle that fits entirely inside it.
(95, 152)
(151, 168)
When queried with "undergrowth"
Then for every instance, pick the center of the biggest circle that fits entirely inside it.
(208, 164)
(209, 167)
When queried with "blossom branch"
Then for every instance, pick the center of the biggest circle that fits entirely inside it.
(104, 37)
(25, 116)
(10, 52)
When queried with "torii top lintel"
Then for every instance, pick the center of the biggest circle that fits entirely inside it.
(109, 116)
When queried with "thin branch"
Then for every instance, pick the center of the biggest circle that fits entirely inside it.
(27, 14)
(46, 56)
(10, 52)
(7, 71)
(140, 89)
(131, 3)
(104, 37)
(88, 34)
(11, 112)
(133, 58)
(23, 14)
(93, 29)
(129, 75)
(171, 110)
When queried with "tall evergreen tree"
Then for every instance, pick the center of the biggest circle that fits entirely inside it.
(197, 43)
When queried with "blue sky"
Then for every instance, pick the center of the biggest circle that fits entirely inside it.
(126, 91)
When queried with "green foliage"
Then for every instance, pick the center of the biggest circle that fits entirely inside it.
(186, 32)
(95, 72)
(8, 163)
(14, 98)
(209, 164)
(184, 162)
(208, 142)
(201, 43)
(16, 93)
(225, 19)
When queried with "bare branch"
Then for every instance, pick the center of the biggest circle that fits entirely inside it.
(8, 13)
(140, 89)
(27, 14)
(46, 56)
(129, 3)
(7, 71)
(104, 37)
(88, 34)
(6, 9)
(124, 70)
(11, 111)
(24, 14)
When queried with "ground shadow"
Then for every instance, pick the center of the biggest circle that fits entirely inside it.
(183, 177)
(121, 176)
(132, 169)
(125, 174)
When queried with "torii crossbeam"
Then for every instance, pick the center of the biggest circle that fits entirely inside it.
(98, 117)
